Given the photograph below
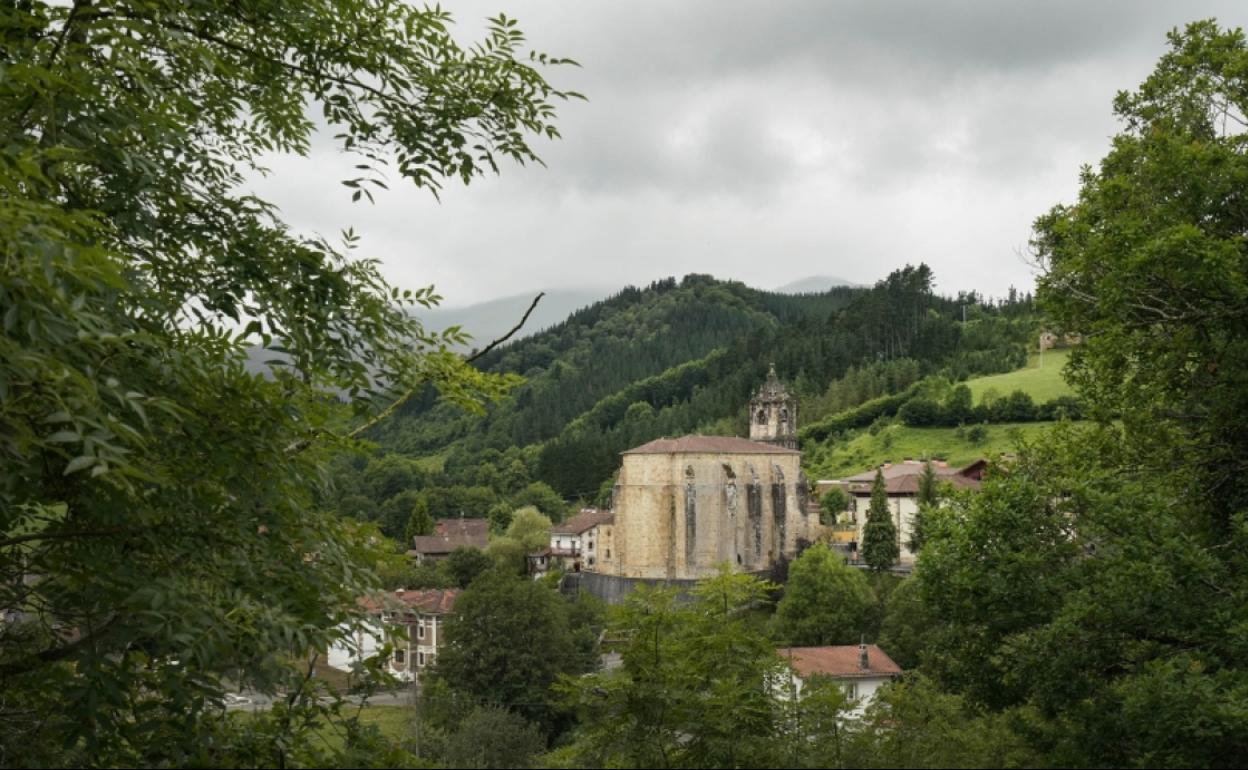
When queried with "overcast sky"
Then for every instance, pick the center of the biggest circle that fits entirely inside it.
(767, 142)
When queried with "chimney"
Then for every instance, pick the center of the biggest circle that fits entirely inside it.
(864, 663)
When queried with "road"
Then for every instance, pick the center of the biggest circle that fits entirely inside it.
(256, 701)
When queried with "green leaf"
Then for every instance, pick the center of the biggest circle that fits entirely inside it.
(79, 463)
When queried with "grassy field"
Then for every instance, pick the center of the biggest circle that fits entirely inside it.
(1042, 382)
(394, 722)
(898, 442)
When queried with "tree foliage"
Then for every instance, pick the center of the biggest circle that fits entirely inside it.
(692, 689)
(825, 601)
(157, 500)
(508, 640)
(493, 737)
(1095, 586)
(880, 549)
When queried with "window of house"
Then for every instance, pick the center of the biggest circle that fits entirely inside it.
(851, 690)
(420, 659)
(590, 547)
(420, 630)
(762, 417)
(400, 656)
(608, 553)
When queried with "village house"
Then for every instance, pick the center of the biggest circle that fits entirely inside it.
(575, 544)
(901, 484)
(449, 534)
(418, 616)
(860, 669)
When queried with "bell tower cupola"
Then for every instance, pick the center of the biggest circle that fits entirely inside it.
(773, 413)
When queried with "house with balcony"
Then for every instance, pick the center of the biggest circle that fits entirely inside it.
(415, 618)
(579, 543)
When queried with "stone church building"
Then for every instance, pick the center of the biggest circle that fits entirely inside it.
(683, 506)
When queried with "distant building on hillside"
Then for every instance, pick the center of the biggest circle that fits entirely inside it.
(860, 669)
(419, 616)
(1049, 339)
(901, 483)
(449, 534)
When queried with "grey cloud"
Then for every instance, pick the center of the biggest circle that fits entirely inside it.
(767, 142)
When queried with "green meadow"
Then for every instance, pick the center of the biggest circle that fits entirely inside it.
(1041, 379)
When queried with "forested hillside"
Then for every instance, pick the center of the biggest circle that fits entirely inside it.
(674, 357)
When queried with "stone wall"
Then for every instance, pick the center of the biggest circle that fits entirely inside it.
(613, 588)
(679, 515)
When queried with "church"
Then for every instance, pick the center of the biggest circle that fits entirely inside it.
(683, 506)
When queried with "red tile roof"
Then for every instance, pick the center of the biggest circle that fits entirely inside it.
(841, 661)
(449, 534)
(903, 478)
(432, 601)
(586, 520)
(708, 445)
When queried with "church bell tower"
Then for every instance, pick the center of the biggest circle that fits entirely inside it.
(773, 413)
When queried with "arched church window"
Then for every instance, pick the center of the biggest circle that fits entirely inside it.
(784, 417)
(762, 417)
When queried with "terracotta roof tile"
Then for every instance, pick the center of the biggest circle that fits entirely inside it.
(903, 478)
(840, 661)
(587, 519)
(433, 601)
(450, 534)
(709, 445)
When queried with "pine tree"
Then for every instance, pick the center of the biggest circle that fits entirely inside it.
(927, 499)
(879, 537)
(419, 522)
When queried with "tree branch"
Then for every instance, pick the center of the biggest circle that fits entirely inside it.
(506, 336)
(67, 535)
(56, 51)
(54, 654)
(304, 443)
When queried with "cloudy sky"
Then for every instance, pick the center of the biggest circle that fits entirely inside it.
(768, 142)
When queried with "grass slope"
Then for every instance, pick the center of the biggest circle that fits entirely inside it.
(1041, 380)
(898, 442)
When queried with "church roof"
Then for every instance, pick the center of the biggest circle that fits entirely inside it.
(708, 445)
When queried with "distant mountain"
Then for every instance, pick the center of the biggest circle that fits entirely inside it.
(678, 357)
(814, 284)
(489, 320)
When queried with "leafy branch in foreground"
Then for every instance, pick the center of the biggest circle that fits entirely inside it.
(159, 542)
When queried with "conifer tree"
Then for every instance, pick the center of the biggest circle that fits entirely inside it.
(927, 499)
(879, 537)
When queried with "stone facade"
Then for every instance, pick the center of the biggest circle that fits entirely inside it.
(684, 506)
